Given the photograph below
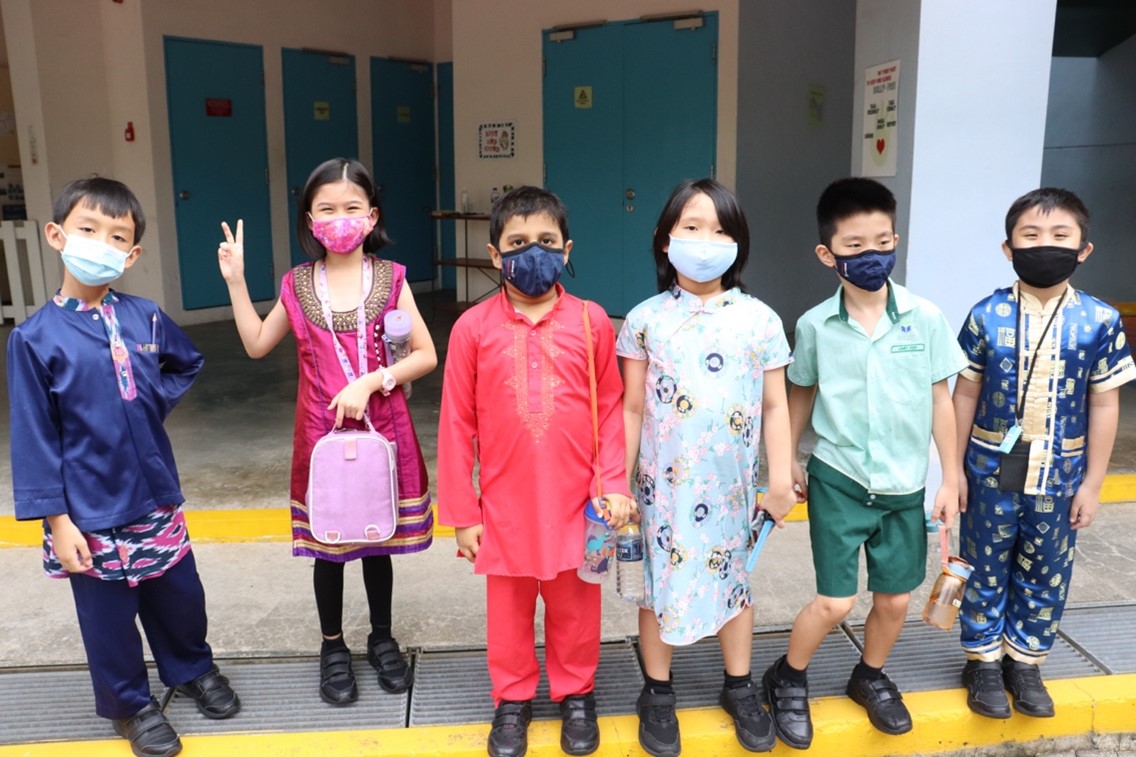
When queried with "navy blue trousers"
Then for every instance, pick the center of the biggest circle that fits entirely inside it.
(172, 610)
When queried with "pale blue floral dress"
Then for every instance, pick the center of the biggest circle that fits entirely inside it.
(698, 453)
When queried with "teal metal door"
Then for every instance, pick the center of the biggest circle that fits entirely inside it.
(215, 97)
(447, 243)
(319, 120)
(402, 119)
(630, 110)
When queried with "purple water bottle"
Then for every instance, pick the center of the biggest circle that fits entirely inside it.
(396, 338)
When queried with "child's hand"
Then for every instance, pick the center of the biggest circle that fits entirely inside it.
(778, 502)
(70, 545)
(800, 483)
(469, 540)
(620, 510)
(946, 505)
(231, 253)
(1083, 509)
(350, 402)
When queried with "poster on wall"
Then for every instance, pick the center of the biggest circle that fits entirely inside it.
(881, 99)
(496, 140)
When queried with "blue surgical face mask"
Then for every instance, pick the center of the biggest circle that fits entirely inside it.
(868, 270)
(533, 269)
(701, 260)
(92, 262)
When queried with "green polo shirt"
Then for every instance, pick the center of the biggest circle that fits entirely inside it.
(872, 414)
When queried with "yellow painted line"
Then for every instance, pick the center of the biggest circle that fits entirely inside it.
(275, 524)
(1100, 704)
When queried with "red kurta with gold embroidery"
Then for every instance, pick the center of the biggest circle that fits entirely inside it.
(515, 400)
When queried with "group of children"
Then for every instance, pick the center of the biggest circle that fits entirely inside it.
(668, 433)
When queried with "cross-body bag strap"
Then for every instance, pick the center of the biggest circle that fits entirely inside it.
(594, 402)
(360, 325)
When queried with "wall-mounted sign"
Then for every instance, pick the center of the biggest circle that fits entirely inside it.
(321, 110)
(496, 140)
(219, 107)
(582, 97)
(403, 114)
(881, 111)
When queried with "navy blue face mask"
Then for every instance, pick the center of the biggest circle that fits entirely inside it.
(868, 270)
(533, 269)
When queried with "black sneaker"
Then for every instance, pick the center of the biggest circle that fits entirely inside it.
(337, 679)
(1024, 682)
(214, 696)
(884, 703)
(394, 674)
(579, 731)
(658, 723)
(789, 705)
(149, 733)
(985, 690)
(752, 723)
(509, 736)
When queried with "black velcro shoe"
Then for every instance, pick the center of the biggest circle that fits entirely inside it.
(658, 723)
(215, 699)
(985, 690)
(509, 736)
(149, 733)
(884, 703)
(337, 679)
(394, 674)
(579, 731)
(753, 725)
(789, 704)
(1024, 682)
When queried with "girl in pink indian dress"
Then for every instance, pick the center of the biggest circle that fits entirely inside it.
(334, 307)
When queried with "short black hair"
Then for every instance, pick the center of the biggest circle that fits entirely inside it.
(104, 195)
(1048, 199)
(524, 202)
(849, 197)
(329, 172)
(730, 217)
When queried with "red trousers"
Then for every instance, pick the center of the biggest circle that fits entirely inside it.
(571, 635)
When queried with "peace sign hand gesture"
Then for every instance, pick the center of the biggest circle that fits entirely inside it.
(231, 253)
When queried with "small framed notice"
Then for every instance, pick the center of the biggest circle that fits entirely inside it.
(496, 140)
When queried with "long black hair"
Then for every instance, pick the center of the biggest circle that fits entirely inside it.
(329, 172)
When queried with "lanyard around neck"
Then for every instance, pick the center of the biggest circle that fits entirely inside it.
(360, 320)
(1019, 410)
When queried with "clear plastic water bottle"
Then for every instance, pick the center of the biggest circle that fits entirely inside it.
(494, 195)
(629, 563)
(396, 339)
(599, 545)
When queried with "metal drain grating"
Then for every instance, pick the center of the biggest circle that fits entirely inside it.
(276, 695)
(925, 659)
(454, 687)
(697, 669)
(1105, 633)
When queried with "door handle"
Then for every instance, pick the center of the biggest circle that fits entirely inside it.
(630, 208)
(630, 193)
(183, 194)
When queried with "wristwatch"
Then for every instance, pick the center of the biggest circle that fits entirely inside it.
(389, 383)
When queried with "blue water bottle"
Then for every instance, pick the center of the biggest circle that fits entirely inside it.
(599, 544)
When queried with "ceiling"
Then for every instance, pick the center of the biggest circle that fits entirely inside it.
(1090, 28)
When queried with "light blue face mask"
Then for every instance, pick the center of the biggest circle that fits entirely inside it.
(92, 262)
(701, 260)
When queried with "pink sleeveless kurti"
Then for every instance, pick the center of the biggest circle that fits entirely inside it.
(321, 378)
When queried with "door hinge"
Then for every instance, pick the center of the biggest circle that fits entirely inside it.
(544, 174)
(544, 67)
(713, 53)
(713, 171)
(266, 176)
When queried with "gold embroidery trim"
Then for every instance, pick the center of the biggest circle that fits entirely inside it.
(303, 284)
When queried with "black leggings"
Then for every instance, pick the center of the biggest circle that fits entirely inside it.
(378, 580)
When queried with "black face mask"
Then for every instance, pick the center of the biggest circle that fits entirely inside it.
(1043, 267)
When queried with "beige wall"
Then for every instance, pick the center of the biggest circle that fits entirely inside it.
(497, 77)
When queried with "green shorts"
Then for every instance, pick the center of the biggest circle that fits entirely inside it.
(843, 515)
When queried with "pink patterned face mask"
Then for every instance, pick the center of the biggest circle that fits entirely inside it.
(341, 235)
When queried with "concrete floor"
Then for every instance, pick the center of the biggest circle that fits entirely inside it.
(232, 438)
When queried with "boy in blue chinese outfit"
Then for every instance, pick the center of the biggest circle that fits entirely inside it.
(91, 377)
(1037, 411)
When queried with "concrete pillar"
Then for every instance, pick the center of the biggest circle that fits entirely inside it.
(974, 83)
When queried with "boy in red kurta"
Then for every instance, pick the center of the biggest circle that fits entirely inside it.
(516, 400)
